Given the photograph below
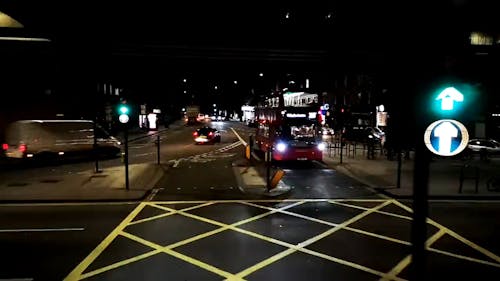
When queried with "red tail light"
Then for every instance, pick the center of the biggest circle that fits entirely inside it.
(5, 146)
(23, 148)
(210, 134)
(195, 134)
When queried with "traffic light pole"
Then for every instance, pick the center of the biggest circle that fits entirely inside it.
(158, 149)
(420, 210)
(126, 157)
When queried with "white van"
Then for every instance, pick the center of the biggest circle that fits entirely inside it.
(56, 138)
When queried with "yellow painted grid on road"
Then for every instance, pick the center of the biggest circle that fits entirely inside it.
(78, 272)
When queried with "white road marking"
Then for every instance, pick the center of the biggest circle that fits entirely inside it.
(141, 154)
(40, 229)
(237, 135)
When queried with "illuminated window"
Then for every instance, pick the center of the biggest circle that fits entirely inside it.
(478, 38)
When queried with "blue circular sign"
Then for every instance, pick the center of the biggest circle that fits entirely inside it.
(446, 137)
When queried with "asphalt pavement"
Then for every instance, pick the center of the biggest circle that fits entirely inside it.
(444, 174)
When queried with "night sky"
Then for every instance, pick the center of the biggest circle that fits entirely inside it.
(148, 47)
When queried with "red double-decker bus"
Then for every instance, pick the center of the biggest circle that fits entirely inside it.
(291, 133)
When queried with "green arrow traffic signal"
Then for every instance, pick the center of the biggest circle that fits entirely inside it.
(456, 101)
(124, 109)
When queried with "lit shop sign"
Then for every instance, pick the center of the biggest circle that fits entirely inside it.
(312, 115)
(446, 137)
(296, 115)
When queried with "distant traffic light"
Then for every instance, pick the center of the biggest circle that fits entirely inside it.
(124, 111)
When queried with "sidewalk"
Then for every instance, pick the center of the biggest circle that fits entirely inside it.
(89, 186)
(85, 186)
(444, 176)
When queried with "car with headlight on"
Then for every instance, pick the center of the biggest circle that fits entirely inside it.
(206, 135)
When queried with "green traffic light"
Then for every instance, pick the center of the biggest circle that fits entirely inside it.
(449, 97)
(454, 100)
(124, 109)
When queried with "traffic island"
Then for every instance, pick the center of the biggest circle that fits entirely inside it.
(252, 179)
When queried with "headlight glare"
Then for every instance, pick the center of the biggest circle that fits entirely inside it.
(321, 146)
(281, 147)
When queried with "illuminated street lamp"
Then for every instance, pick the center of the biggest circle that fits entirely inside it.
(184, 80)
(261, 74)
(235, 82)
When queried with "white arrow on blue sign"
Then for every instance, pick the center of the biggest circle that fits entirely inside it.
(446, 137)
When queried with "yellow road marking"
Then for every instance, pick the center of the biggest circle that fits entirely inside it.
(178, 255)
(458, 237)
(334, 224)
(119, 264)
(364, 208)
(464, 257)
(265, 263)
(407, 260)
(169, 213)
(387, 238)
(435, 238)
(472, 245)
(269, 201)
(293, 214)
(180, 243)
(347, 263)
(306, 243)
(78, 270)
(397, 269)
(150, 218)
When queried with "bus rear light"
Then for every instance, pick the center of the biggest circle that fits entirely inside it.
(5, 146)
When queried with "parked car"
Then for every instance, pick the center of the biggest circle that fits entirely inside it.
(327, 131)
(206, 135)
(484, 146)
(56, 139)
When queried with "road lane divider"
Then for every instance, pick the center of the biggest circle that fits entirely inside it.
(41, 229)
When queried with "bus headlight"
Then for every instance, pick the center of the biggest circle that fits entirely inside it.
(321, 146)
(281, 147)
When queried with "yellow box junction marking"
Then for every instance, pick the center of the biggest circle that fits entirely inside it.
(77, 273)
